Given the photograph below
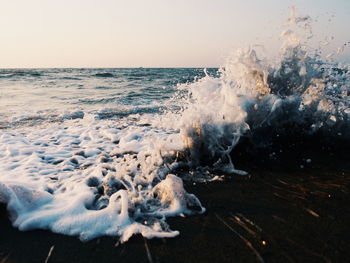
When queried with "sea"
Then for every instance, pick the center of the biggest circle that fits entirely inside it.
(95, 152)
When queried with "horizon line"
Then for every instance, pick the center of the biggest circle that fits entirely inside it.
(168, 67)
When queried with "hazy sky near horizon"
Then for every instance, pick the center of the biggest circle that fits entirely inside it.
(153, 33)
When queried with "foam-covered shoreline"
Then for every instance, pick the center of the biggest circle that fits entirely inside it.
(90, 179)
(298, 215)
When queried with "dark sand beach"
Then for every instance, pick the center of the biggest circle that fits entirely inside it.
(281, 214)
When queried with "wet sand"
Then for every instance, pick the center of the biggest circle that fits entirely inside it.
(281, 214)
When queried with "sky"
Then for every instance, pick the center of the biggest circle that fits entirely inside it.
(154, 33)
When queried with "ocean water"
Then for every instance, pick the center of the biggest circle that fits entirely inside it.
(32, 96)
(93, 152)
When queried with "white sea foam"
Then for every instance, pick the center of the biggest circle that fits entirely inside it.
(89, 178)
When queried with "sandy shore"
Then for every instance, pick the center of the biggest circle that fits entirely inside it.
(284, 215)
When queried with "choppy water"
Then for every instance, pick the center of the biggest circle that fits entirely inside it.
(33, 96)
(93, 152)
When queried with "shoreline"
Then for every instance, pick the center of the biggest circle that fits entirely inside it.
(275, 216)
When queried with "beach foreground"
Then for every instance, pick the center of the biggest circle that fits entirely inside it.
(289, 215)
